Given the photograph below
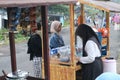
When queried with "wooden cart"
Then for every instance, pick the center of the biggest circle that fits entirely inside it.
(65, 70)
(107, 7)
(53, 69)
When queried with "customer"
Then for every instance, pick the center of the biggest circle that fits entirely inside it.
(35, 50)
(56, 39)
(91, 57)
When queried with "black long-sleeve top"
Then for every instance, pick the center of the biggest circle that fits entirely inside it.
(34, 46)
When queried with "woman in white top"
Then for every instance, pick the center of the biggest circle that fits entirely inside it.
(91, 57)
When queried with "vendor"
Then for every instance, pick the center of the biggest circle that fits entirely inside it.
(91, 57)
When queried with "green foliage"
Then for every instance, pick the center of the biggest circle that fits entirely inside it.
(2, 31)
(18, 37)
(1, 37)
(91, 11)
(66, 23)
(59, 9)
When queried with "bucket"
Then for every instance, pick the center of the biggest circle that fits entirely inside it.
(109, 65)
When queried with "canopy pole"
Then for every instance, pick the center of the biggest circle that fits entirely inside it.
(12, 42)
(72, 36)
(45, 42)
(12, 53)
(108, 28)
(82, 14)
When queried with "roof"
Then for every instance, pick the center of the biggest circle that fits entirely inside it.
(25, 3)
(107, 6)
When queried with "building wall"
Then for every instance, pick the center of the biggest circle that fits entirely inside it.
(3, 16)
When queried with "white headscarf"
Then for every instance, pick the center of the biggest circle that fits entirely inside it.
(54, 26)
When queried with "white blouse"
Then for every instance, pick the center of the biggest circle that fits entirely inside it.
(79, 42)
(92, 50)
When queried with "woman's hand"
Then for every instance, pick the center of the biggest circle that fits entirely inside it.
(77, 58)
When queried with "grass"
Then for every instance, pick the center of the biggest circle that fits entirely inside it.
(66, 23)
(4, 38)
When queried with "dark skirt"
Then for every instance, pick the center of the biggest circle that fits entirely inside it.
(92, 70)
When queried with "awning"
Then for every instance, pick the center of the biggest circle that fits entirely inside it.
(28, 3)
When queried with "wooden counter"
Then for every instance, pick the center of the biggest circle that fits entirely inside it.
(61, 70)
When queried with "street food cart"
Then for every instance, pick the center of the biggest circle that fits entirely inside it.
(107, 7)
(60, 70)
(53, 69)
(109, 63)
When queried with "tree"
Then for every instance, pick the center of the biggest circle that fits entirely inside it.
(58, 9)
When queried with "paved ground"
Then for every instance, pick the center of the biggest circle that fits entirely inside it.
(118, 66)
(23, 62)
(22, 58)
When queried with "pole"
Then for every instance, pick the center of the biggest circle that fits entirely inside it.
(12, 52)
(45, 42)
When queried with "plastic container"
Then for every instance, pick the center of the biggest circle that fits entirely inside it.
(53, 51)
(109, 65)
(64, 51)
(64, 59)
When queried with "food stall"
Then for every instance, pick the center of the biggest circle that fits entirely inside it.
(52, 68)
(108, 7)
(62, 69)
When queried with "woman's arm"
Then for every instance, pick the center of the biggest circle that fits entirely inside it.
(92, 50)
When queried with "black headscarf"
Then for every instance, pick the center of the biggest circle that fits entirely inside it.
(85, 32)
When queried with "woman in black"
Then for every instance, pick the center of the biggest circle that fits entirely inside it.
(35, 51)
(91, 57)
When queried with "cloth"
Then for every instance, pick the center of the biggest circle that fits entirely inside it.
(116, 26)
(116, 18)
(56, 41)
(108, 76)
(37, 63)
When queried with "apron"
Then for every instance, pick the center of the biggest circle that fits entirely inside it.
(92, 70)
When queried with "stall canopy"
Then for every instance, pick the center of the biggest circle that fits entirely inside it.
(107, 6)
(29, 3)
